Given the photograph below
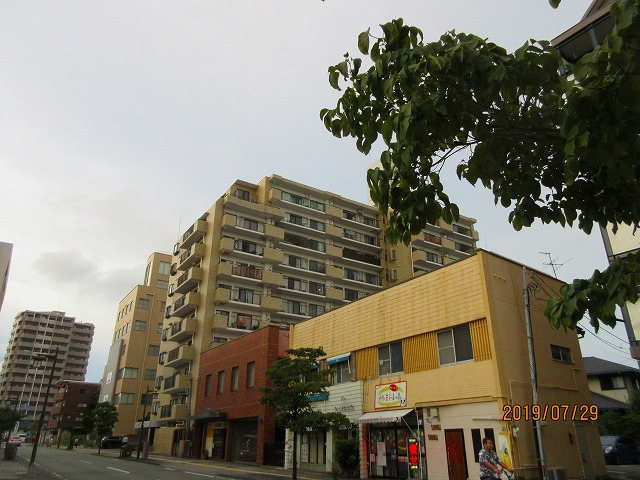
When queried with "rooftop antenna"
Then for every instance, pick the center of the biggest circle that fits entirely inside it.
(552, 263)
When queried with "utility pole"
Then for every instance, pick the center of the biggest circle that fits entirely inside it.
(43, 357)
(534, 376)
(144, 414)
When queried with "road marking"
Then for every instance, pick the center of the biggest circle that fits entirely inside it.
(57, 474)
(85, 461)
(167, 468)
(118, 470)
(200, 474)
(236, 469)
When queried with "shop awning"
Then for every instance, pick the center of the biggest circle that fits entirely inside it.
(338, 358)
(384, 416)
(148, 424)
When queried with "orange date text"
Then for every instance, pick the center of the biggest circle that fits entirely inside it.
(552, 411)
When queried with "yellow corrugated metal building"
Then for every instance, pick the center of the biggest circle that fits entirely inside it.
(449, 348)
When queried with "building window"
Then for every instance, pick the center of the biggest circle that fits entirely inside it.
(243, 194)
(316, 288)
(219, 340)
(149, 374)
(295, 219)
(207, 385)
(153, 350)
(316, 225)
(463, 247)
(463, 230)
(128, 373)
(251, 373)
(351, 295)
(140, 325)
(562, 354)
(434, 258)
(143, 303)
(123, 399)
(220, 381)
(454, 345)
(162, 284)
(235, 371)
(249, 224)
(315, 310)
(165, 268)
(341, 372)
(159, 328)
(316, 266)
(390, 358)
(146, 274)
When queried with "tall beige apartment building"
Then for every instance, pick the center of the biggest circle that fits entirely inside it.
(133, 356)
(276, 252)
(22, 380)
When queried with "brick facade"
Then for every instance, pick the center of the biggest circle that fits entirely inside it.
(238, 411)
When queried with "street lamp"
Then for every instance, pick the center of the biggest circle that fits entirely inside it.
(39, 359)
(144, 414)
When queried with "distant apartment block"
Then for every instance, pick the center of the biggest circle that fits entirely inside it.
(133, 356)
(277, 253)
(22, 380)
(5, 260)
(72, 405)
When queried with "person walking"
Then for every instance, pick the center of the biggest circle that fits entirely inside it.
(490, 464)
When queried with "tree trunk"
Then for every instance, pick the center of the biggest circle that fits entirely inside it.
(294, 472)
(71, 438)
(99, 442)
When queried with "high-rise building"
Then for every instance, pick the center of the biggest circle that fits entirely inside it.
(277, 252)
(133, 356)
(23, 380)
(5, 261)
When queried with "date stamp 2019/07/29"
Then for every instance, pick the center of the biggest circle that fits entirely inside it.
(553, 411)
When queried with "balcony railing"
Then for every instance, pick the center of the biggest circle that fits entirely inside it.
(245, 271)
(361, 257)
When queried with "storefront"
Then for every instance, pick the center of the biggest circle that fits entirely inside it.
(387, 435)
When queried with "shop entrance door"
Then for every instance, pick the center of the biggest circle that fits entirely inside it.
(388, 452)
(456, 455)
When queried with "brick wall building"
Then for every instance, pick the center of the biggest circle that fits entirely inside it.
(230, 423)
(71, 405)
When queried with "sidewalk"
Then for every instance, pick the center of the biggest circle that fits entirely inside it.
(18, 469)
(162, 459)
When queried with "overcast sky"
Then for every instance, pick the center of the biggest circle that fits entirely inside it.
(122, 121)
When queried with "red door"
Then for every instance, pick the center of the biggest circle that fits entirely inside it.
(456, 455)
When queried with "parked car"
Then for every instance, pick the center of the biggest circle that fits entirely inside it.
(16, 440)
(114, 441)
(619, 449)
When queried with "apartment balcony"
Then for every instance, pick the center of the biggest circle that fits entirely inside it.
(334, 294)
(191, 256)
(174, 413)
(359, 241)
(235, 225)
(236, 321)
(273, 256)
(176, 383)
(270, 303)
(186, 304)
(194, 234)
(333, 231)
(242, 273)
(333, 251)
(334, 272)
(270, 277)
(180, 356)
(273, 232)
(333, 211)
(182, 329)
(358, 259)
(189, 279)
(251, 207)
(222, 295)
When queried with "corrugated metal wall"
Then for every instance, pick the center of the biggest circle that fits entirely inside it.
(367, 363)
(420, 352)
(480, 340)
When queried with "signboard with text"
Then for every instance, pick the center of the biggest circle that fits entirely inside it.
(390, 395)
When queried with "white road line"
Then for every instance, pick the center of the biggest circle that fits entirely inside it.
(167, 468)
(200, 474)
(85, 461)
(118, 470)
(57, 474)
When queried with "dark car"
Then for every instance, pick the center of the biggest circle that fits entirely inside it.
(114, 441)
(618, 449)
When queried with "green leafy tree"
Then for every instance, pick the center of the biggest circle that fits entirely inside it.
(550, 147)
(615, 422)
(292, 380)
(8, 418)
(105, 417)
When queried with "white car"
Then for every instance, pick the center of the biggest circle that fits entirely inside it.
(16, 440)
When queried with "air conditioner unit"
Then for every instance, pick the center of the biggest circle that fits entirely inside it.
(557, 473)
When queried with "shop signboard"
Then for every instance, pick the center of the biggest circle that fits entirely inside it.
(391, 395)
(414, 454)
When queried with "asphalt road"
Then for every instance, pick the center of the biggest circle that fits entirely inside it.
(80, 464)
